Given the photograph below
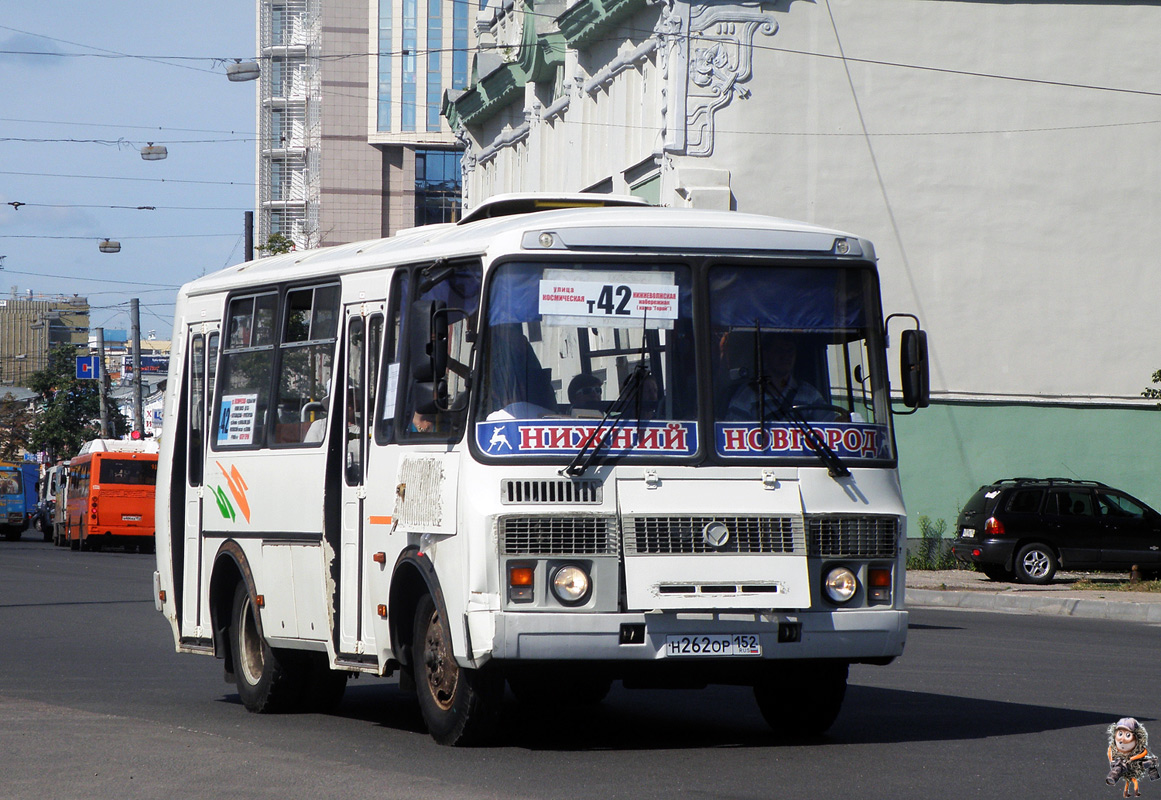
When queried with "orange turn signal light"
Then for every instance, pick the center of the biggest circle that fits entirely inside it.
(379, 558)
(520, 576)
(260, 601)
(381, 610)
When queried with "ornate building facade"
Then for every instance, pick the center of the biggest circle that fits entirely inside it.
(1000, 155)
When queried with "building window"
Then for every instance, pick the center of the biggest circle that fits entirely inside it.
(459, 45)
(434, 54)
(384, 115)
(410, 42)
(437, 186)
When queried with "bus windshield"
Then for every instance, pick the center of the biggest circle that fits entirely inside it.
(787, 348)
(562, 342)
(797, 346)
(10, 482)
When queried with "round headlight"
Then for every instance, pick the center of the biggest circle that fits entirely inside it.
(840, 585)
(571, 585)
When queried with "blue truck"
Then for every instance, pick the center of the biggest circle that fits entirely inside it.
(17, 498)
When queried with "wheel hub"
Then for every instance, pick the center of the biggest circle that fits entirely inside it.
(439, 664)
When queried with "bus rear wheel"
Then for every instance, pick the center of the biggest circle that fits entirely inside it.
(269, 681)
(802, 698)
(459, 705)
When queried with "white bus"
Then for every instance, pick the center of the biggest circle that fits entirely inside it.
(548, 448)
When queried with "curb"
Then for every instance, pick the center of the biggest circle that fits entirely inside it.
(1024, 604)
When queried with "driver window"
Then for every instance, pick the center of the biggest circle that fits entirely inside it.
(458, 288)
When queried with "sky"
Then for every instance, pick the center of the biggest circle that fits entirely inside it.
(83, 87)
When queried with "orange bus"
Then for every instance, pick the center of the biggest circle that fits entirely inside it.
(110, 495)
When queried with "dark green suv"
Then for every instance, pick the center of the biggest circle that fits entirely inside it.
(1027, 528)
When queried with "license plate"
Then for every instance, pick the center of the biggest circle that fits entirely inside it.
(968, 533)
(737, 644)
(130, 517)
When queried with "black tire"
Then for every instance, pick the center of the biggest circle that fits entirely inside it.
(553, 690)
(802, 698)
(996, 572)
(1036, 564)
(460, 706)
(269, 681)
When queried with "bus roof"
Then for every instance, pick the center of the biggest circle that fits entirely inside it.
(618, 229)
(119, 446)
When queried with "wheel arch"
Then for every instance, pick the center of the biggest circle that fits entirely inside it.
(230, 568)
(413, 576)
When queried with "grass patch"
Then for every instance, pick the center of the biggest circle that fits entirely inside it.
(1115, 585)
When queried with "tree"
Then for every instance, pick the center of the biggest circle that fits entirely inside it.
(70, 409)
(1151, 392)
(16, 421)
(276, 244)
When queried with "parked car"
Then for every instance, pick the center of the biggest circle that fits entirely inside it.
(1027, 528)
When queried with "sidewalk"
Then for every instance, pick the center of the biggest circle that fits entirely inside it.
(973, 590)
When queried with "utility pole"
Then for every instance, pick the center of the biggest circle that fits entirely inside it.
(134, 313)
(101, 378)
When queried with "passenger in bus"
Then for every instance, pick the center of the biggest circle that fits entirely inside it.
(783, 390)
(584, 391)
(518, 387)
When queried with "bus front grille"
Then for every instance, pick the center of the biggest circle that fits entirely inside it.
(551, 492)
(557, 535)
(687, 535)
(864, 537)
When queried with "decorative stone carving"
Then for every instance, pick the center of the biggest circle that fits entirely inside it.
(718, 54)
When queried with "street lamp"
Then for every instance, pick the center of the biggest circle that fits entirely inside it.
(243, 70)
(108, 246)
(154, 152)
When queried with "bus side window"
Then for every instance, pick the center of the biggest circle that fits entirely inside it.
(243, 393)
(306, 370)
(196, 408)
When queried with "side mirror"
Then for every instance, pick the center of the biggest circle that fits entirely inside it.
(913, 369)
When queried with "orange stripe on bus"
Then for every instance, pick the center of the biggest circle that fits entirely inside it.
(379, 520)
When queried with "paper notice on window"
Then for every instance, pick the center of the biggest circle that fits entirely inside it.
(392, 391)
(236, 419)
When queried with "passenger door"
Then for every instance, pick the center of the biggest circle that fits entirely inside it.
(1130, 533)
(363, 336)
(202, 356)
(1072, 525)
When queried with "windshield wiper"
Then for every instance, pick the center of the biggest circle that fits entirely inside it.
(762, 383)
(591, 445)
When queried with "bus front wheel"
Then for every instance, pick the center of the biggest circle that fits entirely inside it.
(267, 680)
(802, 698)
(459, 705)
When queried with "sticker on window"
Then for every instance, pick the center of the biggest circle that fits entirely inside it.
(847, 440)
(596, 298)
(236, 419)
(525, 438)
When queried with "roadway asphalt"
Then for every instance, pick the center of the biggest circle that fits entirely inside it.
(973, 590)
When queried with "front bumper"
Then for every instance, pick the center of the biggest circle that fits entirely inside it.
(873, 634)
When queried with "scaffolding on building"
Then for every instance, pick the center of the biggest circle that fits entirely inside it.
(289, 121)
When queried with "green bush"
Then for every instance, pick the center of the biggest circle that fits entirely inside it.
(933, 551)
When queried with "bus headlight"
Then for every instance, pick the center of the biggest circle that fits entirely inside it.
(571, 585)
(840, 585)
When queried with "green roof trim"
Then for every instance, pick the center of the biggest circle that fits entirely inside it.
(540, 55)
(588, 20)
